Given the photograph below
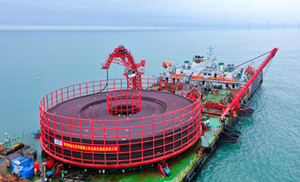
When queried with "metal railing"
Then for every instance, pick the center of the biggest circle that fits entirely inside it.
(123, 102)
(122, 143)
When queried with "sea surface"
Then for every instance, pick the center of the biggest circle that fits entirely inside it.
(33, 64)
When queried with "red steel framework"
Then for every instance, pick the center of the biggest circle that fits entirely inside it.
(123, 102)
(123, 57)
(172, 138)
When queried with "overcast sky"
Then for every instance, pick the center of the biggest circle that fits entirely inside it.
(147, 13)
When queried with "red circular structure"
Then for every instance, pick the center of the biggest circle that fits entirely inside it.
(77, 129)
(123, 102)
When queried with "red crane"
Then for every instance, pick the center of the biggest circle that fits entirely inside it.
(256, 73)
(123, 57)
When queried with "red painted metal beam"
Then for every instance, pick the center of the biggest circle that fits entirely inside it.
(250, 81)
(123, 57)
(213, 112)
(211, 105)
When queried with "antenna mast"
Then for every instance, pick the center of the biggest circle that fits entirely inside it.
(210, 51)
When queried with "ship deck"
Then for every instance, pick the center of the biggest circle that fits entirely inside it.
(215, 98)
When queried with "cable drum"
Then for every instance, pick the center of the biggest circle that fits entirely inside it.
(156, 126)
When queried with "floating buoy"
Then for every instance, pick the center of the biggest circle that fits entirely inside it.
(38, 78)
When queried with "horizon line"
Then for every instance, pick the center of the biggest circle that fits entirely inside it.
(137, 28)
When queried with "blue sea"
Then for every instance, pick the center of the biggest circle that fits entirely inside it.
(269, 149)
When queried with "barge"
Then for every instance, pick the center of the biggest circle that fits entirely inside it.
(142, 129)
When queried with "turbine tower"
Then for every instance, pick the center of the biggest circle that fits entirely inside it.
(225, 24)
(268, 24)
(284, 25)
(133, 25)
(298, 25)
(248, 25)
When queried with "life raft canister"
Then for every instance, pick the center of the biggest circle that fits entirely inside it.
(36, 166)
(49, 162)
(250, 69)
(167, 64)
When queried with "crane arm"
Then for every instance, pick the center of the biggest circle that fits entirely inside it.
(123, 57)
(257, 72)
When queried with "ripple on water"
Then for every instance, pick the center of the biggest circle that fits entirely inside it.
(268, 148)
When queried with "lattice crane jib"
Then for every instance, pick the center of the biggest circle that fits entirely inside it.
(123, 57)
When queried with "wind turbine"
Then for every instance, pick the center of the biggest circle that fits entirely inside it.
(284, 25)
(225, 23)
(298, 25)
(268, 24)
(133, 25)
(156, 27)
(248, 25)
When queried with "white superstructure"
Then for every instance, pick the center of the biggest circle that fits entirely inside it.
(206, 74)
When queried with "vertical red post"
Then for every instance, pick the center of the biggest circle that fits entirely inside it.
(81, 140)
(164, 135)
(71, 138)
(117, 141)
(104, 140)
(129, 138)
(142, 153)
(93, 153)
(153, 128)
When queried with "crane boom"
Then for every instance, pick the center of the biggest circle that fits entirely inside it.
(123, 57)
(257, 72)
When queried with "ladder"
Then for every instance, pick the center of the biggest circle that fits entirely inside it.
(230, 135)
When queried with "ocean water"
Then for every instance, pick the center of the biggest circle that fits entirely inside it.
(269, 149)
